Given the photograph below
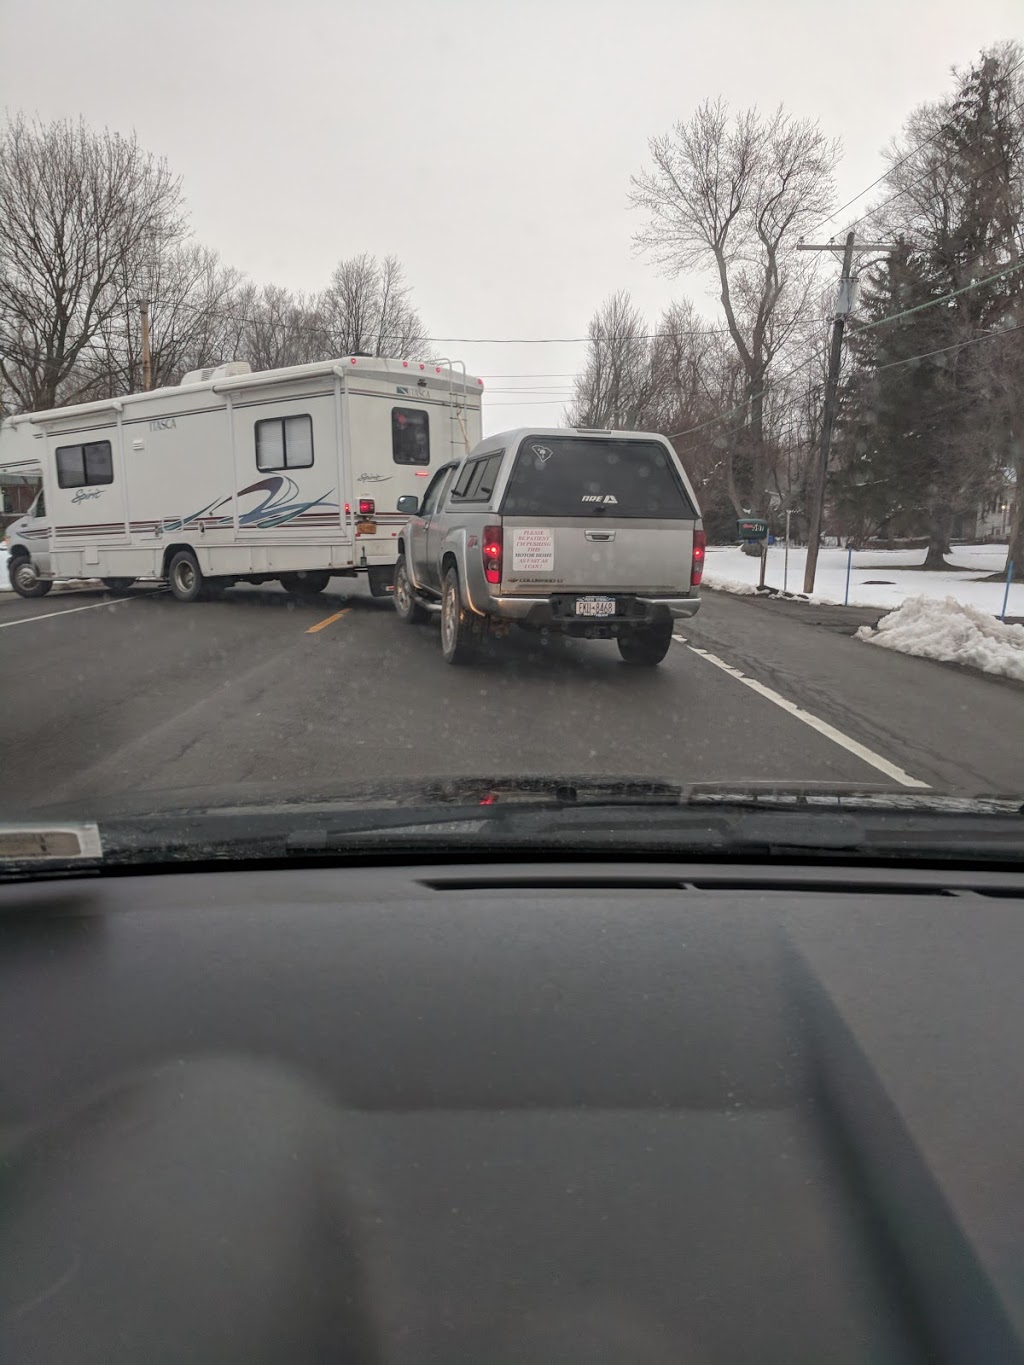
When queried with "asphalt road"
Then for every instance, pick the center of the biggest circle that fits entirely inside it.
(143, 703)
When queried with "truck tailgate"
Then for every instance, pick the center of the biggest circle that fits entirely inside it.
(597, 554)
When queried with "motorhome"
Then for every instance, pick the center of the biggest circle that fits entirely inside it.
(234, 476)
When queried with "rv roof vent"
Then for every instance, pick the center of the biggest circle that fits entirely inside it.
(218, 372)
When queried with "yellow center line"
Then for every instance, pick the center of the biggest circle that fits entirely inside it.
(328, 620)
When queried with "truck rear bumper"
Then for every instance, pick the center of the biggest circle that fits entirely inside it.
(551, 612)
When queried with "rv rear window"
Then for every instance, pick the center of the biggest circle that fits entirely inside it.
(83, 465)
(410, 436)
(284, 443)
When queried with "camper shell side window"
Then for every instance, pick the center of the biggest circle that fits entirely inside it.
(410, 436)
(477, 480)
(80, 466)
(284, 442)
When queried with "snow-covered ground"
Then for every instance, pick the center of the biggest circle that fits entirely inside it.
(953, 632)
(879, 578)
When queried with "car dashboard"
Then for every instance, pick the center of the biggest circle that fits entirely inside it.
(547, 1112)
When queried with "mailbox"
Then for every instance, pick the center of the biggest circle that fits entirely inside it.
(752, 528)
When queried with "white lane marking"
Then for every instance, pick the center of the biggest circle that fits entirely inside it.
(823, 728)
(68, 611)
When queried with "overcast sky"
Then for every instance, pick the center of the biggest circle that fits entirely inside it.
(487, 145)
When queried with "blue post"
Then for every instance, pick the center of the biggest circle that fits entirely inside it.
(1006, 594)
(849, 565)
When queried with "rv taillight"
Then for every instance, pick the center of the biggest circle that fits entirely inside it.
(490, 549)
(348, 509)
(366, 507)
(697, 567)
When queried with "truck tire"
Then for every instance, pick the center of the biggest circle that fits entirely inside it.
(407, 609)
(117, 584)
(645, 646)
(461, 629)
(305, 583)
(25, 580)
(185, 576)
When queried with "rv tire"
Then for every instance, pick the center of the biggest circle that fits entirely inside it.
(305, 583)
(25, 580)
(185, 576)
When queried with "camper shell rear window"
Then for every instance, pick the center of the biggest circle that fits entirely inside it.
(587, 476)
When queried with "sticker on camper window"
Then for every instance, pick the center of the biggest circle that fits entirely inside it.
(543, 453)
(533, 550)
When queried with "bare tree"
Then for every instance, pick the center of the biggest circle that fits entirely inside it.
(282, 329)
(618, 385)
(732, 195)
(192, 296)
(81, 213)
(366, 308)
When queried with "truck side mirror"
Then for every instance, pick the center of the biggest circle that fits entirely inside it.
(408, 504)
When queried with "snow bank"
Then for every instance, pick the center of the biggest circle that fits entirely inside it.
(950, 631)
(732, 585)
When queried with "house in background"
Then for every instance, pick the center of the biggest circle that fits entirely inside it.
(994, 517)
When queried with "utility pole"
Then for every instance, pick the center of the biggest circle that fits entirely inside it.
(844, 306)
(147, 361)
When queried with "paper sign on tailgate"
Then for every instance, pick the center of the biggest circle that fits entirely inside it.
(533, 550)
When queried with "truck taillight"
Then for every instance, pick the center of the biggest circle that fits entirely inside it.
(366, 507)
(490, 549)
(700, 541)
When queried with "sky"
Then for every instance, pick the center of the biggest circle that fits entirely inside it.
(487, 144)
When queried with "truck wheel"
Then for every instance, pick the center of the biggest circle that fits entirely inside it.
(185, 576)
(460, 629)
(407, 608)
(305, 583)
(117, 584)
(646, 645)
(25, 580)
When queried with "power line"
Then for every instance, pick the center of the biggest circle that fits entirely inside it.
(943, 127)
(321, 332)
(817, 355)
(906, 360)
(990, 169)
(956, 346)
(932, 303)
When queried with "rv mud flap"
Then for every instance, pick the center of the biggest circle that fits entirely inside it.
(381, 578)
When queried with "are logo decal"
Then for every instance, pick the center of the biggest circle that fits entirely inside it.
(605, 499)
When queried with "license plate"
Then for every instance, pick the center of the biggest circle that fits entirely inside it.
(595, 606)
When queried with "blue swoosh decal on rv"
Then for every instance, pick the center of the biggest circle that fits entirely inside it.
(275, 509)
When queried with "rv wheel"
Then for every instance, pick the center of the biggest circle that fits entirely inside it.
(185, 577)
(305, 583)
(25, 580)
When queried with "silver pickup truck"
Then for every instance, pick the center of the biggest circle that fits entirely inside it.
(589, 533)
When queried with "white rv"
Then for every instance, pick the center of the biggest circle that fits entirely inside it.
(291, 474)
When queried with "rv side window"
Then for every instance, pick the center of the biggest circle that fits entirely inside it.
(284, 443)
(410, 436)
(83, 465)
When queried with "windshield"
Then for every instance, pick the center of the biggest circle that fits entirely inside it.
(405, 442)
(569, 476)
